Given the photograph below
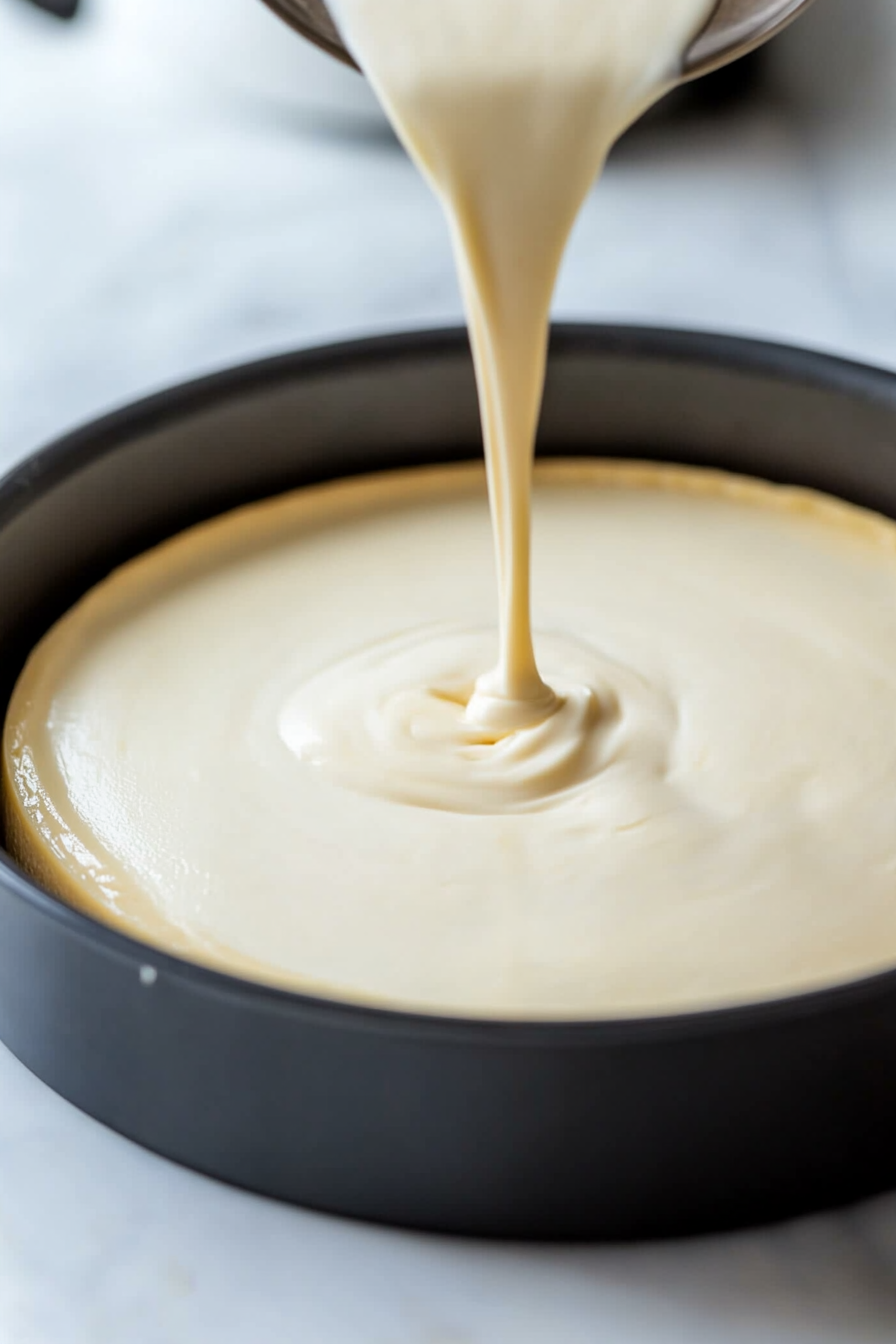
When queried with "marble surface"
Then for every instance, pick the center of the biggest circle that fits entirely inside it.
(159, 218)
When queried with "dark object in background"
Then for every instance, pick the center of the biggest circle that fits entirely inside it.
(633, 1128)
(63, 9)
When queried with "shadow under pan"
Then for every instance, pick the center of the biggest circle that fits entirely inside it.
(636, 1128)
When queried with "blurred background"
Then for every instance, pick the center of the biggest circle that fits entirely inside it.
(184, 184)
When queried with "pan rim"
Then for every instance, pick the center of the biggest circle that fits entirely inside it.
(72, 452)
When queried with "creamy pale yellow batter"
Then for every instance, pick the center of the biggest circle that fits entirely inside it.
(509, 108)
(728, 832)
(276, 744)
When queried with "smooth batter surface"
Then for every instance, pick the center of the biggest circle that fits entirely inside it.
(297, 743)
(730, 834)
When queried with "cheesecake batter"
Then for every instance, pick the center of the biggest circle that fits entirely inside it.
(725, 831)
(509, 108)
(294, 743)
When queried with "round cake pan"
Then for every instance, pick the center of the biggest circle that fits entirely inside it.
(611, 1129)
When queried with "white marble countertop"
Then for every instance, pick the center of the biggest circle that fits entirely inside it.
(156, 223)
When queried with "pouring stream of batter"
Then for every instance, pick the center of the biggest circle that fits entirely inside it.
(509, 109)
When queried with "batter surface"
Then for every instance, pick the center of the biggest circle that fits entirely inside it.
(296, 743)
(181, 760)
